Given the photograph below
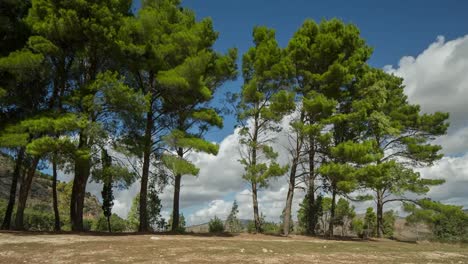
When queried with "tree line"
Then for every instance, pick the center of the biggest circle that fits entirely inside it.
(110, 95)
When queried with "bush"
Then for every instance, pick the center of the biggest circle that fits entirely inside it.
(216, 225)
(389, 219)
(251, 226)
(117, 224)
(38, 221)
(271, 228)
(357, 225)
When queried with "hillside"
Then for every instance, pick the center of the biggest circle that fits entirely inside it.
(40, 196)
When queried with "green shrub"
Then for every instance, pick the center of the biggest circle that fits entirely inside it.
(357, 225)
(216, 225)
(389, 219)
(117, 224)
(251, 226)
(38, 221)
(270, 228)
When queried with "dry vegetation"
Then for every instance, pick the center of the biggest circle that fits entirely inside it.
(244, 248)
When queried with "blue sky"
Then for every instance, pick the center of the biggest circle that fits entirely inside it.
(393, 28)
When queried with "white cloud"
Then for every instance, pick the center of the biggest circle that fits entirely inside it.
(437, 79)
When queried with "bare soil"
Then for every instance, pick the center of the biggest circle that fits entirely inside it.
(21, 247)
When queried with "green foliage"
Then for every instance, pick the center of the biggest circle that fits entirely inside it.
(216, 225)
(389, 219)
(308, 216)
(117, 224)
(179, 166)
(181, 228)
(447, 222)
(402, 137)
(264, 100)
(154, 205)
(37, 220)
(133, 218)
(233, 224)
(370, 222)
(271, 228)
(344, 215)
(357, 225)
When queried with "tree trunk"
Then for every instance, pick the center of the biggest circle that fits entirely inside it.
(14, 184)
(23, 195)
(257, 221)
(177, 183)
(332, 213)
(312, 217)
(379, 216)
(145, 174)
(109, 224)
(54, 196)
(289, 197)
(175, 207)
(82, 172)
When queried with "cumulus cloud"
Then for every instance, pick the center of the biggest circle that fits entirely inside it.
(437, 79)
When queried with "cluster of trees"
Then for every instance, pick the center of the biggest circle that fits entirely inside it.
(95, 90)
(351, 128)
(86, 85)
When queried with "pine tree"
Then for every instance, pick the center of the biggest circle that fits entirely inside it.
(401, 135)
(190, 88)
(326, 58)
(263, 101)
(178, 74)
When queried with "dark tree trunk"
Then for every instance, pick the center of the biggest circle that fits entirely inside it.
(109, 224)
(54, 196)
(312, 217)
(82, 172)
(176, 204)
(332, 213)
(145, 174)
(175, 207)
(289, 197)
(258, 223)
(14, 183)
(23, 195)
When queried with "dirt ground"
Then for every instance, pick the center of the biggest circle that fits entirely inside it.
(244, 248)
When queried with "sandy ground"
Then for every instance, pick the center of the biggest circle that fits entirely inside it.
(244, 248)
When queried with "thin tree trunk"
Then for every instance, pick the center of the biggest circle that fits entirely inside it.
(145, 174)
(23, 195)
(258, 223)
(175, 207)
(14, 183)
(177, 183)
(109, 224)
(332, 213)
(54, 196)
(312, 217)
(289, 197)
(82, 172)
